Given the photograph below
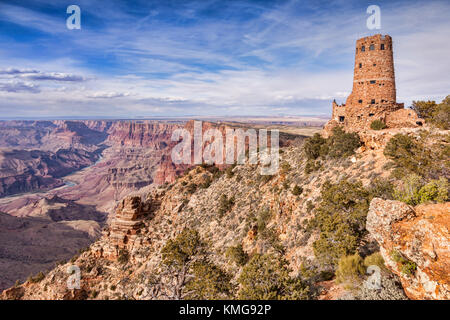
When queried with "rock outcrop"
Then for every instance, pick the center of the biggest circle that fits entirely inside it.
(125, 226)
(415, 245)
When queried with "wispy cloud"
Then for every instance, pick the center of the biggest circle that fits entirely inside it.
(55, 76)
(14, 71)
(108, 95)
(18, 86)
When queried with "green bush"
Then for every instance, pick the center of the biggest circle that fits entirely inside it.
(285, 167)
(407, 267)
(339, 145)
(265, 178)
(185, 258)
(400, 148)
(435, 190)
(424, 109)
(209, 282)
(441, 116)
(124, 256)
(408, 191)
(312, 166)
(414, 191)
(340, 219)
(377, 125)
(315, 147)
(263, 219)
(182, 248)
(206, 183)
(381, 188)
(229, 172)
(375, 259)
(237, 255)
(342, 144)
(427, 155)
(191, 188)
(38, 278)
(296, 191)
(436, 114)
(349, 270)
(266, 277)
(225, 204)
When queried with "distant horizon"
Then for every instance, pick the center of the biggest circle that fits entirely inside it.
(205, 58)
(187, 117)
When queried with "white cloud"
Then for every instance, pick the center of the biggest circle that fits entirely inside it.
(108, 95)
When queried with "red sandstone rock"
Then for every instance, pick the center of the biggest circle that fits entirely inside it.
(421, 235)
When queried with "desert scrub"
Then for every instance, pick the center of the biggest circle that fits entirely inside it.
(315, 147)
(349, 270)
(375, 259)
(340, 219)
(191, 188)
(342, 144)
(435, 190)
(414, 191)
(263, 219)
(312, 166)
(264, 178)
(381, 188)
(285, 167)
(377, 125)
(407, 267)
(206, 183)
(237, 255)
(188, 270)
(229, 171)
(38, 278)
(436, 114)
(296, 191)
(124, 256)
(426, 155)
(266, 277)
(225, 204)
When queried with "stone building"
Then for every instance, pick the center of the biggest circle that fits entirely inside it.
(373, 95)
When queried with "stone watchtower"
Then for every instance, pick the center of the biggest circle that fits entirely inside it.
(373, 95)
(374, 76)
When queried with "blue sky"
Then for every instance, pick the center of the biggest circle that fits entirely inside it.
(208, 57)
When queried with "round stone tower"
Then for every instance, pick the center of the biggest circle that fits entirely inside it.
(374, 77)
(373, 95)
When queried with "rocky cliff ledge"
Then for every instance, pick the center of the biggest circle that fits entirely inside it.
(415, 245)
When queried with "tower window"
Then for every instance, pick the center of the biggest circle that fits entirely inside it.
(372, 101)
(372, 81)
(363, 48)
(360, 65)
(341, 118)
(359, 101)
(382, 46)
(372, 47)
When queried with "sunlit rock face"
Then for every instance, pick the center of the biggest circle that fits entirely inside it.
(421, 237)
